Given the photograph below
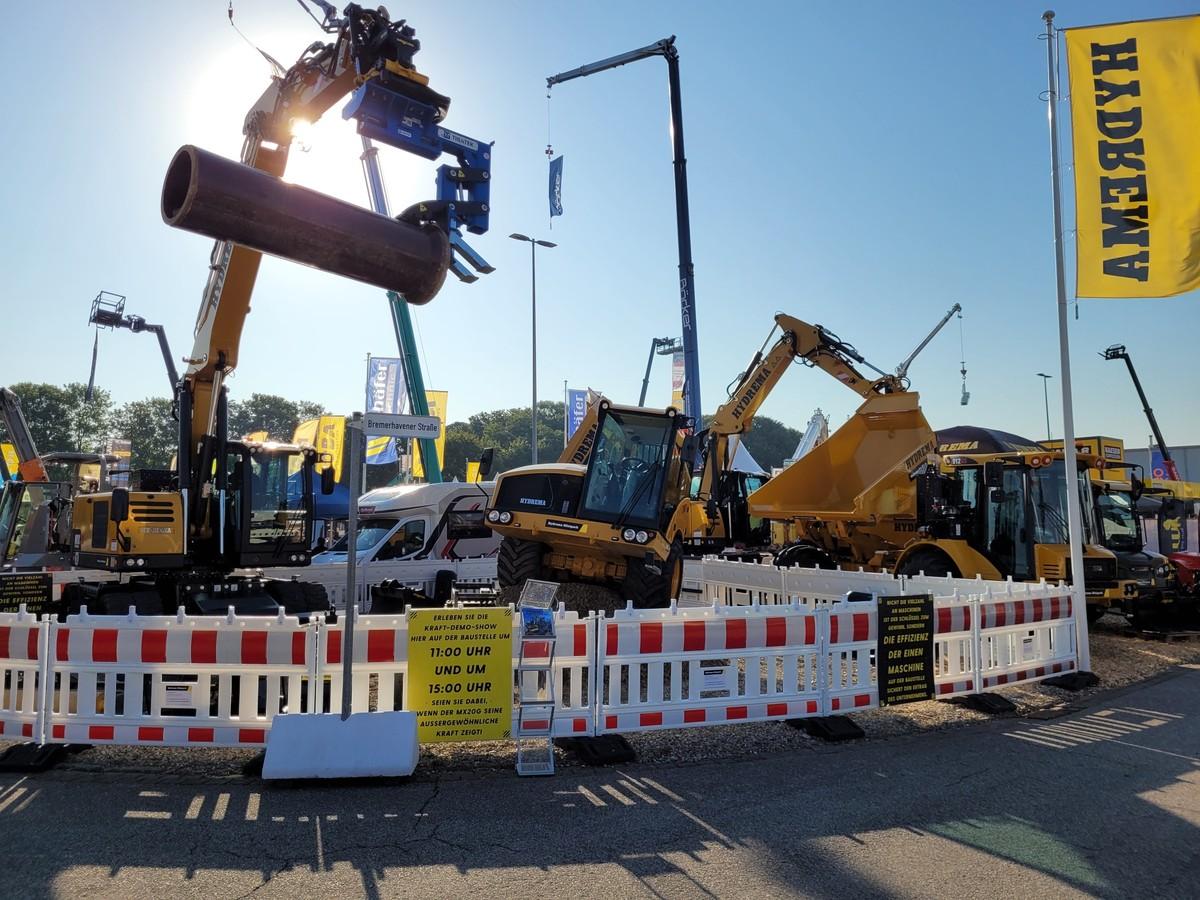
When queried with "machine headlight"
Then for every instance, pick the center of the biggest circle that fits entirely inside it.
(642, 537)
(1162, 571)
(493, 515)
(629, 535)
(505, 518)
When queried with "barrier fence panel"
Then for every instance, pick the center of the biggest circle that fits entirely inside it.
(733, 583)
(955, 646)
(22, 652)
(822, 587)
(1026, 638)
(174, 680)
(679, 668)
(851, 663)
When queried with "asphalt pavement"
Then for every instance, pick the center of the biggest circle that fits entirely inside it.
(1102, 802)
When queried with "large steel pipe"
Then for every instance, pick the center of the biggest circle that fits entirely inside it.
(226, 200)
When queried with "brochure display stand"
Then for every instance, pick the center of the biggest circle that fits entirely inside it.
(535, 681)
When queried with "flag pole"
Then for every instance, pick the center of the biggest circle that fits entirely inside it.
(1074, 510)
(566, 402)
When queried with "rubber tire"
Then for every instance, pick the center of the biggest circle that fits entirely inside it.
(808, 555)
(650, 590)
(933, 563)
(518, 561)
(1095, 612)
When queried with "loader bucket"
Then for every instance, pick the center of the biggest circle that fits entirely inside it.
(861, 472)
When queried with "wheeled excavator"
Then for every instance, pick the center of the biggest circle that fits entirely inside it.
(620, 507)
(179, 535)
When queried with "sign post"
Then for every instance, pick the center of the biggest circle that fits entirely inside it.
(355, 434)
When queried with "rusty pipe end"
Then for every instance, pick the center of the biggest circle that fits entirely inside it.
(179, 185)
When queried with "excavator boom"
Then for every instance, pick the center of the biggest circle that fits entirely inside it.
(29, 461)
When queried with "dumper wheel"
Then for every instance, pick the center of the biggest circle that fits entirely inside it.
(652, 585)
(930, 562)
(809, 556)
(518, 561)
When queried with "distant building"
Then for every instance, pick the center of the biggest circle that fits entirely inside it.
(1187, 460)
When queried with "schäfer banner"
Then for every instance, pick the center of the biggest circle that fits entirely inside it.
(556, 169)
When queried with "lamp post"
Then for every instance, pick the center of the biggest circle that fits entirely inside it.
(1046, 396)
(533, 245)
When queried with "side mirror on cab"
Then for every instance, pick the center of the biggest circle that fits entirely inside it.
(328, 482)
(486, 458)
(993, 474)
(118, 506)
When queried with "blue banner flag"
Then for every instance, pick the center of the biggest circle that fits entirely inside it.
(556, 166)
(576, 410)
(386, 393)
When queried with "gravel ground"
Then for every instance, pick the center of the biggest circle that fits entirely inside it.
(1118, 658)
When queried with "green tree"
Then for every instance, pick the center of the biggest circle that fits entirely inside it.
(275, 415)
(151, 431)
(61, 418)
(771, 442)
(508, 432)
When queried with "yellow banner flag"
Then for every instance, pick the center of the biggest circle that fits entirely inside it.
(305, 433)
(437, 407)
(331, 432)
(472, 471)
(1135, 105)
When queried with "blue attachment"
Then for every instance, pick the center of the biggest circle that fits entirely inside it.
(463, 191)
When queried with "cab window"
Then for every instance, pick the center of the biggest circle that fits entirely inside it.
(406, 540)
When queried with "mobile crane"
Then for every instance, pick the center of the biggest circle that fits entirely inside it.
(1118, 351)
(225, 506)
(622, 509)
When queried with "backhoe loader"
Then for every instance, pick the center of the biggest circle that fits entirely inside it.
(619, 508)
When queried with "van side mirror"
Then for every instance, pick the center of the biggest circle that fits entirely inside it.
(327, 481)
(118, 506)
(486, 458)
(993, 474)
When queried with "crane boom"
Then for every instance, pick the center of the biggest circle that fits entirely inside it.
(1118, 351)
(30, 465)
(902, 369)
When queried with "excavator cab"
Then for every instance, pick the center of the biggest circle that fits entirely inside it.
(32, 518)
(267, 523)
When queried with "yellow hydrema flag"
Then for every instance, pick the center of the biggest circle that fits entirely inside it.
(472, 471)
(1135, 115)
(305, 434)
(330, 434)
(11, 462)
(437, 407)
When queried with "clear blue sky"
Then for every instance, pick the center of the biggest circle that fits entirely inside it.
(863, 166)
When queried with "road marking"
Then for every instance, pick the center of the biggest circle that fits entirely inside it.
(220, 807)
(193, 810)
(637, 792)
(11, 798)
(147, 814)
(252, 807)
(616, 795)
(590, 797)
(671, 795)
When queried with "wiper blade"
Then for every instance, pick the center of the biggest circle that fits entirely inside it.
(627, 510)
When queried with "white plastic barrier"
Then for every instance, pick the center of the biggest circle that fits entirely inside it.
(22, 652)
(174, 680)
(742, 583)
(852, 632)
(680, 668)
(1026, 638)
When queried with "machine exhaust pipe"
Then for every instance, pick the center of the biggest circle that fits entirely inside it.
(219, 198)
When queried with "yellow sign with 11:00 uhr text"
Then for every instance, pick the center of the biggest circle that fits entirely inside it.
(460, 681)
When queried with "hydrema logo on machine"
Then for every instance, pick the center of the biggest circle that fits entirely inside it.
(533, 501)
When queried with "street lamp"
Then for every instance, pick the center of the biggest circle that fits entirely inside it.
(533, 245)
(1046, 395)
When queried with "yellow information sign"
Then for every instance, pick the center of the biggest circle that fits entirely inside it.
(460, 681)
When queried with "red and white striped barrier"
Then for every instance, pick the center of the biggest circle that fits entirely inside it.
(381, 668)
(852, 643)
(174, 680)
(681, 668)
(22, 651)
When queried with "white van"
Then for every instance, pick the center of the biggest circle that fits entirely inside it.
(420, 522)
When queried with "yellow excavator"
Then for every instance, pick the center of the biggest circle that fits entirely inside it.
(226, 505)
(620, 507)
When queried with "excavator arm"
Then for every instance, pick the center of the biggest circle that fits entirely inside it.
(812, 345)
(30, 465)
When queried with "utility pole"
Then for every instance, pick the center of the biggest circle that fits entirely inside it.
(533, 245)
(687, 276)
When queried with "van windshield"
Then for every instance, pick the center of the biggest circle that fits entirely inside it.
(370, 533)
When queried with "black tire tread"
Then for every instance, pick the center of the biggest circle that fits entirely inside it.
(518, 561)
